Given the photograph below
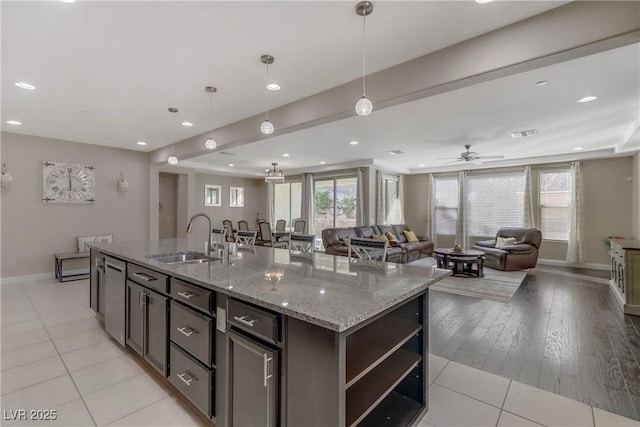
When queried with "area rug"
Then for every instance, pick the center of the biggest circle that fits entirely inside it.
(495, 285)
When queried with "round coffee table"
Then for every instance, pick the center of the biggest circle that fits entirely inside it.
(469, 262)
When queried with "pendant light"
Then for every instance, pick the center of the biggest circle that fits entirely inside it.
(364, 105)
(267, 127)
(210, 143)
(172, 160)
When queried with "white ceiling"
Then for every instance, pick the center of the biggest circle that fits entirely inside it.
(106, 72)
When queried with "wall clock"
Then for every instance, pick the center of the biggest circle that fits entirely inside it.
(68, 183)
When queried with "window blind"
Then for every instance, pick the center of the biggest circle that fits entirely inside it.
(494, 201)
(446, 205)
(554, 205)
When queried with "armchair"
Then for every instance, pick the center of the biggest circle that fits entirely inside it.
(520, 255)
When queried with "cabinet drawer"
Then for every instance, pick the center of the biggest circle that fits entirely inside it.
(194, 380)
(193, 332)
(148, 278)
(192, 295)
(254, 320)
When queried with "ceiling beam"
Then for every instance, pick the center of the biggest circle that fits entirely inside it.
(568, 32)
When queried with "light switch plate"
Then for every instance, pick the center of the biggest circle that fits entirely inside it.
(221, 319)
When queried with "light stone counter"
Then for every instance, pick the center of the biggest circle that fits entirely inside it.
(324, 290)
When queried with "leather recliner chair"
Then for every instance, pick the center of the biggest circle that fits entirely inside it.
(523, 254)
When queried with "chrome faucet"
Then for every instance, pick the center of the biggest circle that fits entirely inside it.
(190, 225)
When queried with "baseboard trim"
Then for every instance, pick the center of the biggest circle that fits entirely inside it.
(574, 275)
(26, 278)
(587, 265)
(617, 297)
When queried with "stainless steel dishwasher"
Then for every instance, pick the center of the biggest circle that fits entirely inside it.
(115, 283)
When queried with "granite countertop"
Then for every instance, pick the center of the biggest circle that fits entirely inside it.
(628, 243)
(324, 290)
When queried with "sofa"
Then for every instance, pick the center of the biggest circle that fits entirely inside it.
(523, 253)
(400, 250)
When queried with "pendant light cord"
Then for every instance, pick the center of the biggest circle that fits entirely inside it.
(364, 53)
(267, 95)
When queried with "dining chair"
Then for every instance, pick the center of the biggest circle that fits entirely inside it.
(281, 224)
(266, 237)
(299, 225)
(368, 249)
(302, 243)
(246, 237)
(243, 225)
(218, 236)
(229, 226)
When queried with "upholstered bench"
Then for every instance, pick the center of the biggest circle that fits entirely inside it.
(83, 253)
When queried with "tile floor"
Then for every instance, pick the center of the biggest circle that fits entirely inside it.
(55, 355)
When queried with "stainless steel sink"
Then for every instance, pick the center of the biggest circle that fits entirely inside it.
(183, 258)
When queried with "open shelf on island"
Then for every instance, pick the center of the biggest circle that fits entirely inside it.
(370, 390)
(395, 410)
(370, 346)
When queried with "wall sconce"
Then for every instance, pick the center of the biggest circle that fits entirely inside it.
(123, 184)
(6, 179)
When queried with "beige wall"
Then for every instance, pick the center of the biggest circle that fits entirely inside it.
(608, 210)
(168, 206)
(253, 201)
(32, 231)
(635, 229)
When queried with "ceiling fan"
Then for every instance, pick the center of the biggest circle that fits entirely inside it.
(470, 156)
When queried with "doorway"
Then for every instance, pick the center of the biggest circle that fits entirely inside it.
(168, 205)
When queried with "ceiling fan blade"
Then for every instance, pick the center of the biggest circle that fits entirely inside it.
(449, 158)
(490, 157)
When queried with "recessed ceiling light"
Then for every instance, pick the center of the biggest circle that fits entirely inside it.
(231, 165)
(354, 143)
(141, 143)
(578, 149)
(284, 304)
(14, 122)
(323, 163)
(286, 155)
(267, 170)
(483, 1)
(541, 83)
(421, 165)
(187, 124)
(25, 85)
(68, 1)
(395, 152)
(588, 98)
(273, 86)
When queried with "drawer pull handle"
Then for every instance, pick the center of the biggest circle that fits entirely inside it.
(184, 380)
(266, 359)
(244, 320)
(187, 294)
(144, 277)
(186, 330)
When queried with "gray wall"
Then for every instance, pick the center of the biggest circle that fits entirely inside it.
(608, 206)
(636, 196)
(32, 231)
(254, 201)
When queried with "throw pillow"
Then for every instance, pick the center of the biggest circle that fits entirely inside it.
(390, 236)
(379, 237)
(84, 241)
(501, 242)
(411, 236)
(346, 240)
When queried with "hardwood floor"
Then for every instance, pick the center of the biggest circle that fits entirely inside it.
(558, 333)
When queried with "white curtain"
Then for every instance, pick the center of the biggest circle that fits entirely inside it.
(400, 218)
(527, 214)
(360, 197)
(308, 202)
(575, 250)
(431, 210)
(462, 236)
(380, 219)
(271, 209)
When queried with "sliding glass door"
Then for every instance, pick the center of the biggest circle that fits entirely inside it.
(335, 203)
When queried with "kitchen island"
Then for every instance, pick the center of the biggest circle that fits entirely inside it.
(267, 337)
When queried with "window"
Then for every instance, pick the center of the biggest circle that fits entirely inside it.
(494, 201)
(335, 202)
(287, 201)
(236, 197)
(446, 205)
(212, 195)
(554, 205)
(390, 200)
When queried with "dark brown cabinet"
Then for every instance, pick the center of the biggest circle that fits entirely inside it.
(97, 288)
(146, 331)
(253, 374)
(115, 277)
